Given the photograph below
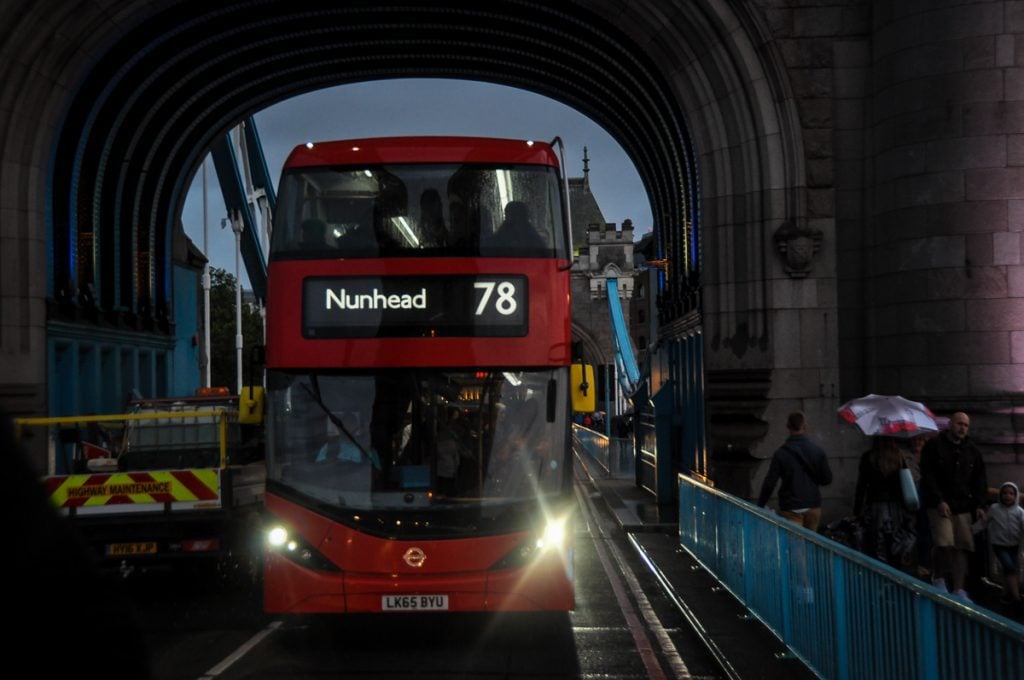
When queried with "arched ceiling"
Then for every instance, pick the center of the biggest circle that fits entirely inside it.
(182, 73)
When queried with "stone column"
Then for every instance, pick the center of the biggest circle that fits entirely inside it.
(944, 279)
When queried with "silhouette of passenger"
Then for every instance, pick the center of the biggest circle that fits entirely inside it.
(517, 232)
(313, 234)
(432, 227)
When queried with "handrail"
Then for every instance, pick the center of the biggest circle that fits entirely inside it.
(117, 417)
(222, 414)
(614, 454)
(843, 613)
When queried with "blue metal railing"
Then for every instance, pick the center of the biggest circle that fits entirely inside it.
(614, 454)
(844, 614)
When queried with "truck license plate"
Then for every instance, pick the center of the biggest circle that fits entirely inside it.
(129, 549)
(416, 603)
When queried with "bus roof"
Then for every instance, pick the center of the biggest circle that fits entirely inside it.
(379, 150)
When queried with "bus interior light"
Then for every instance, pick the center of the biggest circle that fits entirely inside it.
(407, 233)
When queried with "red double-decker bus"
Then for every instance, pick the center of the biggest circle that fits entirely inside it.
(418, 379)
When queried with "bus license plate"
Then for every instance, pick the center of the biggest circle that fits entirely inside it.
(129, 549)
(414, 603)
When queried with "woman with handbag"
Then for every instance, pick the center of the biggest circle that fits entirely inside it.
(890, 533)
(912, 456)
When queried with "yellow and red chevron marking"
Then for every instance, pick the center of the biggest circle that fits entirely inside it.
(163, 486)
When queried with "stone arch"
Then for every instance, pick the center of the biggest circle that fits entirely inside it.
(592, 349)
(103, 132)
(743, 116)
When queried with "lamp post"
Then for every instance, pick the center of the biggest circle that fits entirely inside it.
(237, 226)
(206, 288)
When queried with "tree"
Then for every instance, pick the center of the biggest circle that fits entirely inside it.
(223, 368)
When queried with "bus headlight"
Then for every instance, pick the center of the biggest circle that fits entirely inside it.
(294, 548)
(277, 536)
(552, 539)
(553, 536)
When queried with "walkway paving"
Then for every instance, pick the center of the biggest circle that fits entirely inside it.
(746, 647)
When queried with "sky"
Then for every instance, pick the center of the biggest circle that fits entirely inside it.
(427, 107)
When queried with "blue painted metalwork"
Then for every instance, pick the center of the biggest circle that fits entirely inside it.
(691, 428)
(236, 203)
(614, 454)
(664, 402)
(624, 354)
(698, 403)
(91, 370)
(258, 163)
(845, 614)
(186, 374)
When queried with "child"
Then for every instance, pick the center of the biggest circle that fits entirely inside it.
(1006, 535)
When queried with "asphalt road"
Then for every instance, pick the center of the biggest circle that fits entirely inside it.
(623, 626)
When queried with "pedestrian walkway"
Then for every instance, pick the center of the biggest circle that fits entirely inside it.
(742, 644)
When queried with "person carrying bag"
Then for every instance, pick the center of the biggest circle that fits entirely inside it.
(909, 489)
(884, 502)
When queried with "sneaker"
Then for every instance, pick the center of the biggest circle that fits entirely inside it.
(962, 596)
(940, 583)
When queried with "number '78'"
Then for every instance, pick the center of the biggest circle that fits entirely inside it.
(505, 304)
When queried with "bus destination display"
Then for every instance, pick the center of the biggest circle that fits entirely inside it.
(415, 306)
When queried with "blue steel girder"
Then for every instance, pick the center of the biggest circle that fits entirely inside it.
(258, 163)
(235, 201)
(624, 355)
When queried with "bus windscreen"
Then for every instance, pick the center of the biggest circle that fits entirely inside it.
(421, 439)
(419, 210)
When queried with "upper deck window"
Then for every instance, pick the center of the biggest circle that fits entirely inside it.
(408, 210)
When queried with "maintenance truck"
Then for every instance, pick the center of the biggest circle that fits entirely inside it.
(171, 479)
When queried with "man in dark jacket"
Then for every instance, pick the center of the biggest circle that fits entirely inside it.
(955, 491)
(803, 468)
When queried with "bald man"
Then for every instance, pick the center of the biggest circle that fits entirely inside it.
(955, 492)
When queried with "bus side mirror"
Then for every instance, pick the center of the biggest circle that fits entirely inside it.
(584, 394)
(250, 405)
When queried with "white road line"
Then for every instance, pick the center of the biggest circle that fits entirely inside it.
(668, 648)
(241, 651)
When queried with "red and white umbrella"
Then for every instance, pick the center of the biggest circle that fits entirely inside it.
(888, 416)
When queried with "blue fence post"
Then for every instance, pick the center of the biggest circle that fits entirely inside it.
(748, 569)
(692, 427)
(842, 634)
(927, 650)
(785, 603)
(698, 405)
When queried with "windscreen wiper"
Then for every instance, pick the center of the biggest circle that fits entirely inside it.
(371, 455)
